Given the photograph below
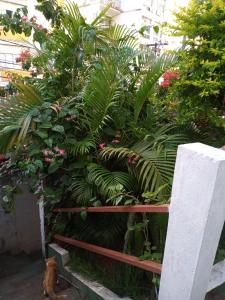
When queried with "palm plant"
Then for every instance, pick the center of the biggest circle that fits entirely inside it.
(16, 116)
(96, 139)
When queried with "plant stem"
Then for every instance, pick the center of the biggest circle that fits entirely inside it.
(130, 222)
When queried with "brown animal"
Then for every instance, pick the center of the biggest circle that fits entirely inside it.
(50, 280)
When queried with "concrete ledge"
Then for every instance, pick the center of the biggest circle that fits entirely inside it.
(92, 289)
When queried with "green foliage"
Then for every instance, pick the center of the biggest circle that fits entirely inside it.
(16, 116)
(199, 91)
(89, 133)
(124, 280)
(51, 10)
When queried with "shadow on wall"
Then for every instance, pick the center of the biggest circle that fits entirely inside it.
(20, 230)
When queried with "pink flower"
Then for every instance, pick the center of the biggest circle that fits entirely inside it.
(131, 160)
(56, 148)
(47, 152)
(48, 160)
(2, 158)
(34, 19)
(24, 18)
(101, 146)
(115, 142)
(40, 27)
(61, 152)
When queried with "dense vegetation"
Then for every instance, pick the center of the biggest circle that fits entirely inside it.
(98, 129)
(198, 96)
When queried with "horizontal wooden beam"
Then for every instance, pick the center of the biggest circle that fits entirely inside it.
(122, 257)
(118, 209)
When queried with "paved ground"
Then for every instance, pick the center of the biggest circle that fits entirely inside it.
(21, 279)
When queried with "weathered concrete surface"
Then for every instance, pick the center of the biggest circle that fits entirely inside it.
(8, 233)
(196, 219)
(21, 278)
(20, 230)
(91, 289)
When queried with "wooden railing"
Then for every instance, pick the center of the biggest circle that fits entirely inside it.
(147, 265)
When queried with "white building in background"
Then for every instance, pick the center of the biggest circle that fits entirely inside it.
(11, 45)
(133, 13)
(171, 7)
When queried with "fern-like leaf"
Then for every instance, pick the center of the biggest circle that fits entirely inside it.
(16, 116)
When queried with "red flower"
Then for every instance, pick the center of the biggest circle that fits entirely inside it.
(165, 83)
(170, 75)
(167, 77)
(101, 146)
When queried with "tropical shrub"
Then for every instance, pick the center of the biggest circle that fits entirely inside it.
(197, 97)
(87, 134)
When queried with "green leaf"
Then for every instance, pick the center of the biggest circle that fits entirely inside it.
(58, 128)
(156, 29)
(49, 142)
(53, 167)
(83, 215)
(31, 168)
(42, 134)
(38, 163)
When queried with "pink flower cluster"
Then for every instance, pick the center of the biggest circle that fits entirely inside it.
(24, 55)
(32, 20)
(24, 18)
(132, 160)
(103, 145)
(167, 77)
(49, 155)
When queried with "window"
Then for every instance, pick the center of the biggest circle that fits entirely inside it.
(9, 13)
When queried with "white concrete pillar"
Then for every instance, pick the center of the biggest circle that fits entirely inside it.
(42, 226)
(197, 214)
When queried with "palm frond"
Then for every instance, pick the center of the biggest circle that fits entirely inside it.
(151, 160)
(100, 93)
(80, 147)
(101, 16)
(82, 190)
(120, 36)
(148, 82)
(16, 116)
(107, 181)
